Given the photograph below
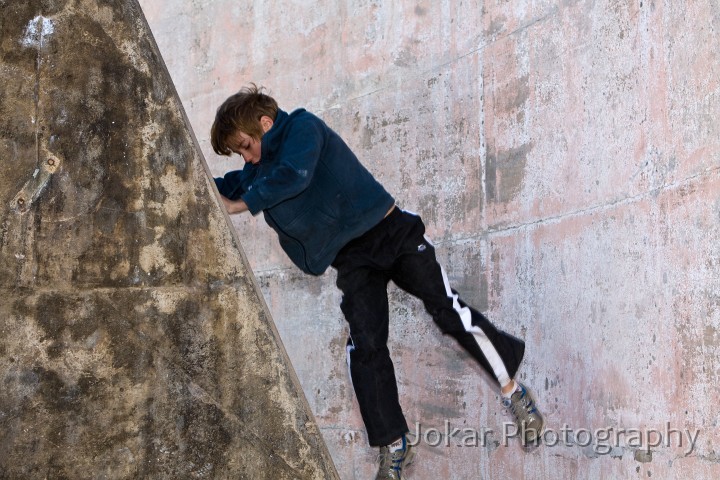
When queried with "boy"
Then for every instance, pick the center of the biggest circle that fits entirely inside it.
(327, 209)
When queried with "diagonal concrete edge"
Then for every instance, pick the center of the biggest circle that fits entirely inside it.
(134, 341)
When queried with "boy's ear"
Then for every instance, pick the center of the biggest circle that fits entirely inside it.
(266, 123)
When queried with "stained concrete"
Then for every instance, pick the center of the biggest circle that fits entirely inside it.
(564, 155)
(134, 340)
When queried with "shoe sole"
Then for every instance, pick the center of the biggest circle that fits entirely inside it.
(410, 458)
(408, 461)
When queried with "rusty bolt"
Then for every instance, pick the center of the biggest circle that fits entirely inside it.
(21, 201)
(51, 161)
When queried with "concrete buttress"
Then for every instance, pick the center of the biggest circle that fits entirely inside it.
(134, 342)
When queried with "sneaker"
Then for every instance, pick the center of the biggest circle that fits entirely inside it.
(527, 416)
(392, 463)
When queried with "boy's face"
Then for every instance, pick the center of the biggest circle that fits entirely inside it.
(245, 145)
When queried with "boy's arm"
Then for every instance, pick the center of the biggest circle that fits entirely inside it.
(292, 171)
(231, 185)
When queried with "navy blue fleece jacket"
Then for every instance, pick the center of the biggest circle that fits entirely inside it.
(311, 188)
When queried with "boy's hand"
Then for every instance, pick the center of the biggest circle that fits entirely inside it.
(234, 206)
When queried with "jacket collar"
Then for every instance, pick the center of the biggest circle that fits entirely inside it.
(273, 138)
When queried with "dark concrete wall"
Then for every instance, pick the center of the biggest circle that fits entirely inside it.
(133, 340)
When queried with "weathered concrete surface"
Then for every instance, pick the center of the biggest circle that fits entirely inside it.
(134, 342)
(564, 155)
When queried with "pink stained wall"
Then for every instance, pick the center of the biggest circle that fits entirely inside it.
(565, 158)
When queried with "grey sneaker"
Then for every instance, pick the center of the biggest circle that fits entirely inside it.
(527, 416)
(392, 464)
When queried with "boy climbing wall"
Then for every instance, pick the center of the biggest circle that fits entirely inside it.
(328, 210)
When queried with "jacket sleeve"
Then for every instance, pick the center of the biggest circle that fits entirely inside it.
(291, 171)
(231, 185)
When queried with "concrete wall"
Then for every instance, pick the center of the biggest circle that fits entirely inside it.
(134, 342)
(565, 157)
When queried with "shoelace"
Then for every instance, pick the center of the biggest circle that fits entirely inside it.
(396, 459)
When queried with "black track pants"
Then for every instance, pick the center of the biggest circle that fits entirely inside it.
(396, 249)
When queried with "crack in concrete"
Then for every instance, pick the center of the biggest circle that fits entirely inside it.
(490, 231)
(606, 206)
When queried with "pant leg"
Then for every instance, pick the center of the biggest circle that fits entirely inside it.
(417, 271)
(365, 306)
